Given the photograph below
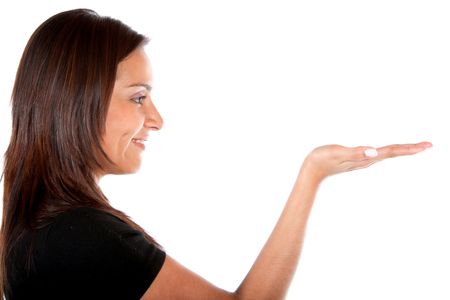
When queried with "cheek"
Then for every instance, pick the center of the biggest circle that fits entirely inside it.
(121, 127)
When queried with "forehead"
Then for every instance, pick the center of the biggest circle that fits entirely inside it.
(135, 67)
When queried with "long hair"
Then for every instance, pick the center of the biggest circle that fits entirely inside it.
(60, 99)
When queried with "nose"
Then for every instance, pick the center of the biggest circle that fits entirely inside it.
(153, 118)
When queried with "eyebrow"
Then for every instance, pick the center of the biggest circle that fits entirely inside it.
(147, 86)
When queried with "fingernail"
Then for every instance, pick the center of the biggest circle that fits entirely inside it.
(371, 152)
(428, 145)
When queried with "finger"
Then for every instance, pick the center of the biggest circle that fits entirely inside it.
(399, 150)
(362, 153)
(402, 149)
(367, 153)
(359, 156)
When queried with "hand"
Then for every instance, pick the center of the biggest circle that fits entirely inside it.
(328, 160)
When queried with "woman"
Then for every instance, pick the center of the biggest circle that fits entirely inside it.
(82, 109)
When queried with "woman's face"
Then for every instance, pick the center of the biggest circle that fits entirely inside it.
(131, 114)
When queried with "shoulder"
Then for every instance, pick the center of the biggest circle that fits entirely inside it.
(84, 223)
(103, 249)
(93, 228)
(97, 228)
(84, 216)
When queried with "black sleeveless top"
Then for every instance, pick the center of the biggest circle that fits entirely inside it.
(84, 253)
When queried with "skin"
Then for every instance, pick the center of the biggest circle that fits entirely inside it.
(131, 114)
(281, 253)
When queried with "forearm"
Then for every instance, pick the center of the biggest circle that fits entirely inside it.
(273, 270)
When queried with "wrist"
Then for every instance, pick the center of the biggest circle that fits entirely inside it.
(310, 174)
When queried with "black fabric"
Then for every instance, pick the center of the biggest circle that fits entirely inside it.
(85, 253)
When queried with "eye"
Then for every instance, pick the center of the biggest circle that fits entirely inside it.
(139, 99)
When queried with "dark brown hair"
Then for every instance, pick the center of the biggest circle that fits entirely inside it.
(59, 104)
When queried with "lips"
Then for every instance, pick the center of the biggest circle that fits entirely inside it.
(139, 141)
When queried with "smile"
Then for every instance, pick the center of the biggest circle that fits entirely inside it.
(139, 143)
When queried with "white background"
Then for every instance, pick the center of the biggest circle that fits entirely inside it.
(247, 89)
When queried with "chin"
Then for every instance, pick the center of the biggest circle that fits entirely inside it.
(127, 169)
(131, 170)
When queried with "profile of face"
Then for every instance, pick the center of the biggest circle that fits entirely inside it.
(131, 114)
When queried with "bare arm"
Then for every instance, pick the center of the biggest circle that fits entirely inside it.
(273, 270)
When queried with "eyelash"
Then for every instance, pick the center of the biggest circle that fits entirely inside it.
(139, 99)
